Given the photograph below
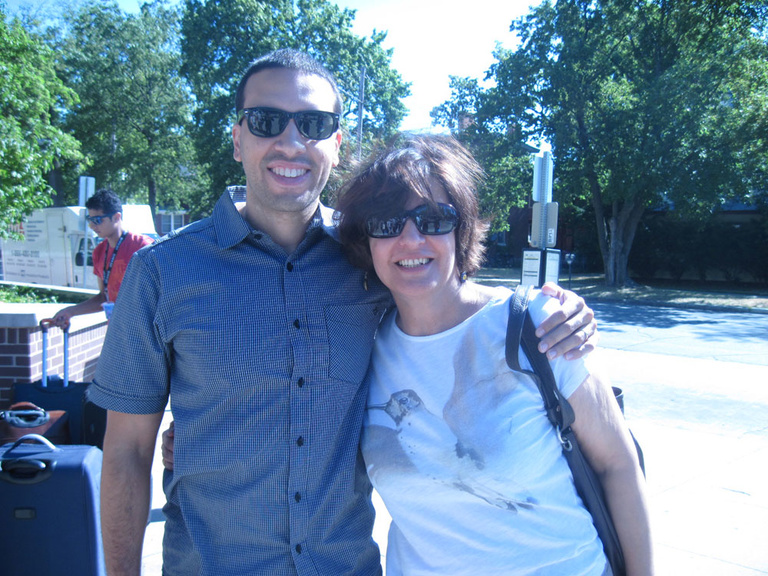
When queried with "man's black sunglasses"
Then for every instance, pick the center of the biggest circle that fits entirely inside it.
(96, 220)
(270, 122)
(429, 221)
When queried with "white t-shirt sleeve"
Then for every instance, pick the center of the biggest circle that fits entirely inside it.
(569, 374)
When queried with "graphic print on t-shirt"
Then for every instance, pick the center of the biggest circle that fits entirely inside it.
(458, 448)
(436, 451)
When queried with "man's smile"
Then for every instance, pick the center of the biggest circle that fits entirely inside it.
(289, 172)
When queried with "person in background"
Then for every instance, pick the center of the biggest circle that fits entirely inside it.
(110, 257)
(458, 444)
(259, 330)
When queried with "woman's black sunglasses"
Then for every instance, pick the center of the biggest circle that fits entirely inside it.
(270, 122)
(429, 221)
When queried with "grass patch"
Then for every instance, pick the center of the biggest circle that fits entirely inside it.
(12, 294)
(24, 294)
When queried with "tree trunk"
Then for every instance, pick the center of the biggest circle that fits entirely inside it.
(614, 235)
(621, 229)
(603, 231)
(152, 194)
(56, 182)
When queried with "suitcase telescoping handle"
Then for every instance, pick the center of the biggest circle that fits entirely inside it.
(45, 323)
(24, 470)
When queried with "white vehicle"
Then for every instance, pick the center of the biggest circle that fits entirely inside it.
(58, 245)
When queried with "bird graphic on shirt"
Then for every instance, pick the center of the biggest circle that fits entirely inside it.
(437, 452)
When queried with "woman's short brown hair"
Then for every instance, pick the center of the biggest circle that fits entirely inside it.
(409, 167)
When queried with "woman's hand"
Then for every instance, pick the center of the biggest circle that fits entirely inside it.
(571, 331)
(167, 447)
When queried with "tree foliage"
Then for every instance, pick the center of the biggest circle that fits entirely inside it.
(150, 96)
(506, 161)
(31, 97)
(646, 103)
(134, 109)
(220, 39)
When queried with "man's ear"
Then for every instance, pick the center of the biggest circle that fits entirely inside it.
(236, 142)
(337, 137)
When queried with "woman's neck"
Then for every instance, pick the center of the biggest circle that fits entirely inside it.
(432, 315)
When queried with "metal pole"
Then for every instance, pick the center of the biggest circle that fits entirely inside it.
(44, 329)
(545, 194)
(360, 112)
(66, 356)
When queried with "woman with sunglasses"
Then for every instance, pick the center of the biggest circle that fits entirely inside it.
(456, 443)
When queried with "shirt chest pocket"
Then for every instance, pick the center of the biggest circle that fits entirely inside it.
(351, 329)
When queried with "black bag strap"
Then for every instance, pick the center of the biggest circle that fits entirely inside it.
(518, 306)
(521, 333)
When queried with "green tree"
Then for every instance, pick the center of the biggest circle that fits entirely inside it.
(498, 149)
(31, 97)
(646, 103)
(134, 112)
(220, 39)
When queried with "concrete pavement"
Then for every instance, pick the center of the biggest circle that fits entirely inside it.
(703, 426)
(729, 336)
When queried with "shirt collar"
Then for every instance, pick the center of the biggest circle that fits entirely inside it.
(325, 221)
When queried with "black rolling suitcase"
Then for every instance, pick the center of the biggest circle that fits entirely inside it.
(87, 421)
(49, 505)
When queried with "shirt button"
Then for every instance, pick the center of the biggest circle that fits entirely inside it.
(296, 323)
(298, 548)
(289, 266)
(297, 497)
(300, 382)
(300, 441)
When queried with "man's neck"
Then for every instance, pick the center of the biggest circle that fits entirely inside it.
(114, 237)
(287, 229)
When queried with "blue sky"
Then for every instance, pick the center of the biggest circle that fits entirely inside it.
(435, 39)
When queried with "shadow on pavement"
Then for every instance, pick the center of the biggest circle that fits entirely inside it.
(709, 325)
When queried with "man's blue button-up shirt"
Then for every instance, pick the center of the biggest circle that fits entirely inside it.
(263, 355)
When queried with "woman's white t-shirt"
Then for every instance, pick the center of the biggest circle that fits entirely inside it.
(461, 451)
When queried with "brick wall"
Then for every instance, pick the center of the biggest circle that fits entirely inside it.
(21, 346)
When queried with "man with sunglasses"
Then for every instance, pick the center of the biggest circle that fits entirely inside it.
(110, 257)
(259, 330)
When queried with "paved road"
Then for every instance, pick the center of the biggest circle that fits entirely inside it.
(726, 336)
(696, 397)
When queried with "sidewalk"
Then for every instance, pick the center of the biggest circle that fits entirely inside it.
(704, 431)
(703, 426)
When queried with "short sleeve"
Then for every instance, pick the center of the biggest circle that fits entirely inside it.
(569, 374)
(132, 375)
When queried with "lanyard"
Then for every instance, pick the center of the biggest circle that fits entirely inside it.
(108, 271)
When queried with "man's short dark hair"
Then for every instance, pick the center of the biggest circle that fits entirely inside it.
(291, 60)
(106, 201)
